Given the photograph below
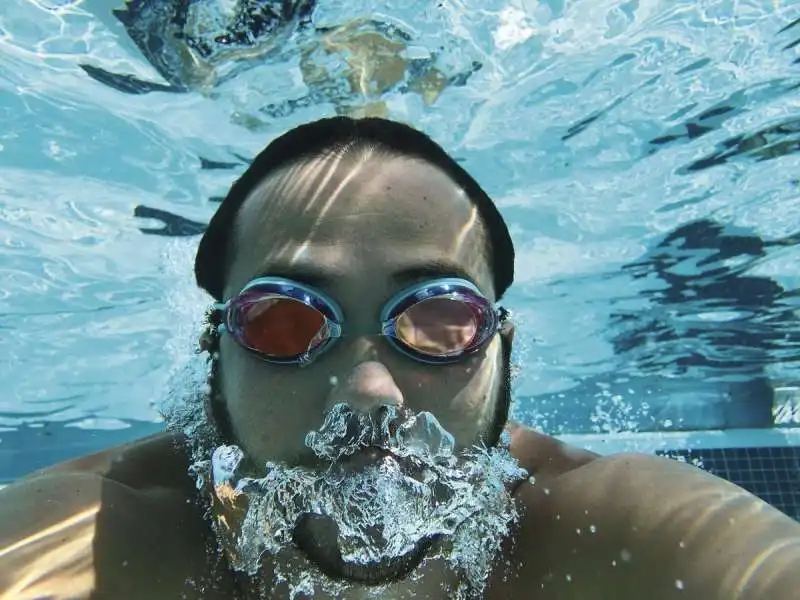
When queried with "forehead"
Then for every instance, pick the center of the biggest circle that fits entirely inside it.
(364, 215)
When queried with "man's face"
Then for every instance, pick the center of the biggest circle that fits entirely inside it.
(361, 229)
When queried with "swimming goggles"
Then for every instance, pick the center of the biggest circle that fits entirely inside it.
(286, 322)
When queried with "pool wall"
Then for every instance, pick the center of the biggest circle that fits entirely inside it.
(765, 462)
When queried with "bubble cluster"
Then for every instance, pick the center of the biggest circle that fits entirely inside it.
(418, 490)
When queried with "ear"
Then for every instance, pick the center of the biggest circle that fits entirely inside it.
(209, 338)
(208, 341)
(507, 330)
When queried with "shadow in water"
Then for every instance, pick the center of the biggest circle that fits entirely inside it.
(768, 143)
(792, 29)
(693, 354)
(172, 225)
(706, 294)
(771, 142)
(710, 320)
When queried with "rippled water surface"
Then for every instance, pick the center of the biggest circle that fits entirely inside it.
(644, 153)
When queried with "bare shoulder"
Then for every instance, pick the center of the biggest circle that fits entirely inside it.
(123, 523)
(544, 456)
(148, 461)
(621, 524)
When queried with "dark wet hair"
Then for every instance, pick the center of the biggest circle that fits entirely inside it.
(321, 137)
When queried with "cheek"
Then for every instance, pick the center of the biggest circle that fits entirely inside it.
(475, 373)
(271, 407)
(461, 396)
(241, 381)
(446, 381)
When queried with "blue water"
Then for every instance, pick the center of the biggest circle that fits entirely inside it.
(644, 153)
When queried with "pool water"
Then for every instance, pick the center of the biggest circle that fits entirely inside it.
(644, 153)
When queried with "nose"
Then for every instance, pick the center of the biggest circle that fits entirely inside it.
(365, 388)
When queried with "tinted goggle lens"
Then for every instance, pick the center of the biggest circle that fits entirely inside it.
(280, 326)
(438, 326)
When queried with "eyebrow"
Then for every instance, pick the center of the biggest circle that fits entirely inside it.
(432, 270)
(316, 276)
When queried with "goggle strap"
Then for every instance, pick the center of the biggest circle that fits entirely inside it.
(214, 317)
(503, 314)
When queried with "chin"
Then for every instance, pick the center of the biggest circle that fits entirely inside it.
(313, 536)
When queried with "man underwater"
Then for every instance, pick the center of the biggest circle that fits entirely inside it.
(354, 439)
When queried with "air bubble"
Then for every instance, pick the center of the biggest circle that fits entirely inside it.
(416, 489)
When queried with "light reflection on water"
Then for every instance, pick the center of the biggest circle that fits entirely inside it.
(643, 154)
